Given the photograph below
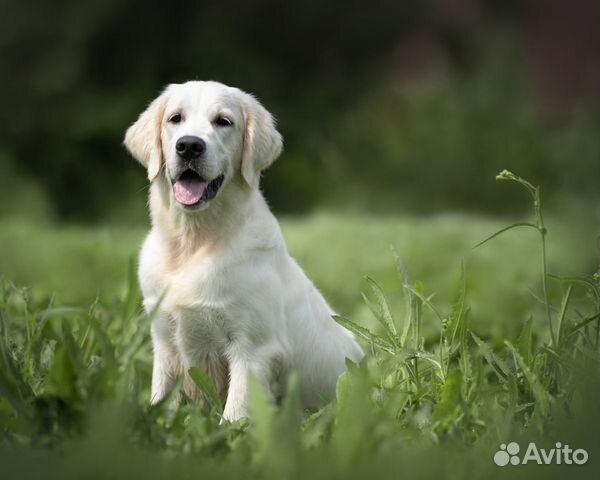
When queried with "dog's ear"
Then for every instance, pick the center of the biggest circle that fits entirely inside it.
(143, 137)
(262, 141)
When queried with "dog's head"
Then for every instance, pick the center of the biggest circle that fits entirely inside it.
(201, 136)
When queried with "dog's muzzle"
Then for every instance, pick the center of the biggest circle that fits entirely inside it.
(190, 189)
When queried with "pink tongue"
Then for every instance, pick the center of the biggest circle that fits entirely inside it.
(189, 191)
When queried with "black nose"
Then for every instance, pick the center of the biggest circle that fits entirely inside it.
(190, 147)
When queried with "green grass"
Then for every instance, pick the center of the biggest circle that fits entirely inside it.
(461, 356)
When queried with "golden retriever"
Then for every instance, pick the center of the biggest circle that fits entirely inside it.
(227, 296)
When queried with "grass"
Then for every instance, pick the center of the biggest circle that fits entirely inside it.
(506, 350)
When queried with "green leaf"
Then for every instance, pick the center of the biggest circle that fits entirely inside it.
(206, 385)
(34, 347)
(287, 422)
(563, 312)
(524, 342)
(132, 295)
(417, 291)
(364, 333)
(316, 429)
(12, 385)
(417, 307)
(581, 281)
(458, 325)
(139, 339)
(429, 357)
(354, 414)
(583, 323)
(408, 301)
(382, 312)
(107, 348)
(262, 413)
(464, 360)
(445, 410)
(497, 364)
(62, 378)
(542, 397)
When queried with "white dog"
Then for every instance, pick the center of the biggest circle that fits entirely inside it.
(228, 297)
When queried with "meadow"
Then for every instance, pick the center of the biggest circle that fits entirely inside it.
(468, 348)
(396, 120)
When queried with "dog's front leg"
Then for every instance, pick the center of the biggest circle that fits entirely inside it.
(240, 371)
(166, 364)
(236, 406)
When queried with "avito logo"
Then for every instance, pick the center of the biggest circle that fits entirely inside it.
(560, 454)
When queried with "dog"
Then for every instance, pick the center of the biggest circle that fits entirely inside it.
(214, 270)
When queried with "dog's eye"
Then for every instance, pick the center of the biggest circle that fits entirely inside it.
(175, 118)
(222, 121)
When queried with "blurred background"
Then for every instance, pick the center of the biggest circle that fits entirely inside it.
(385, 106)
(397, 115)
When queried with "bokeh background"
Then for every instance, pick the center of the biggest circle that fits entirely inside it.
(388, 106)
(396, 117)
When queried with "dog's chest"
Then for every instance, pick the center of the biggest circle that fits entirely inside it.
(193, 301)
(201, 330)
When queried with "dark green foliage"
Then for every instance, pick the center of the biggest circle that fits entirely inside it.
(363, 126)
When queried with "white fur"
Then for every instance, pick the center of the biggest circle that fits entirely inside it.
(229, 298)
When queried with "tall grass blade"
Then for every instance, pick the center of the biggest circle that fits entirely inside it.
(563, 312)
(408, 301)
(505, 229)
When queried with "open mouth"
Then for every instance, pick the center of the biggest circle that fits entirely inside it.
(190, 189)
